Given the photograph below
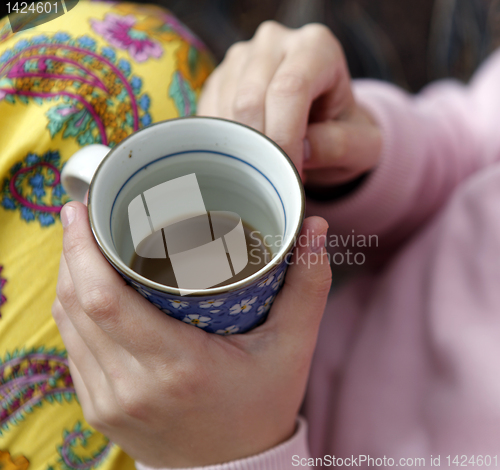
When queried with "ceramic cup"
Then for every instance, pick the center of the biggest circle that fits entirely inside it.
(238, 170)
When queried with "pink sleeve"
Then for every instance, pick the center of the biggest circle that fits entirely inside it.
(281, 457)
(431, 142)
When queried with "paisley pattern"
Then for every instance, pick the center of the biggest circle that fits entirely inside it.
(70, 457)
(119, 31)
(98, 100)
(104, 71)
(193, 61)
(28, 379)
(183, 95)
(33, 187)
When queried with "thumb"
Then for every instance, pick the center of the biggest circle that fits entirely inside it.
(298, 309)
(339, 151)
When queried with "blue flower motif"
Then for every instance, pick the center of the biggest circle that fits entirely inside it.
(5, 56)
(87, 42)
(136, 83)
(27, 214)
(46, 219)
(144, 102)
(8, 203)
(61, 37)
(40, 38)
(146, 120)
(124, 66)
(38, 192)
(58, 191)
(32, 158)
(109, 53)
(22, 44)
(37, 181)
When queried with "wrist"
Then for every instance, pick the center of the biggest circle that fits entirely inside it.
(279, 457)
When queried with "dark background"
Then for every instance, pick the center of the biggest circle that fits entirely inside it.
(407, 42)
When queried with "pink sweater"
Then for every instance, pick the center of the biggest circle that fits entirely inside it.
(408, 358)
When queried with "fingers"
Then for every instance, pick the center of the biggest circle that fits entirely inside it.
(236, 89)
(220, 88)
(298, 309)
(96, 398)
(250, 95)
(271, 82)
(73, 342)
(261, 64)
(84, 368)
(209, 97)
(313, 66)
(76, 327)
(80, 388)
(126, 317)
(342, 150)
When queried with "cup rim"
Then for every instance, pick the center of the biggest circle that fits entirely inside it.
(129, 272)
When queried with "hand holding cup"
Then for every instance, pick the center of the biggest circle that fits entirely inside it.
(172, 395)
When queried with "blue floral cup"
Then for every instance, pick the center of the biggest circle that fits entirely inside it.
(239, 170)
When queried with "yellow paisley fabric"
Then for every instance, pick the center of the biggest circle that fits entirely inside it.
(94, 75)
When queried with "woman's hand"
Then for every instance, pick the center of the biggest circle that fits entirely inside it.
(169, 393)
(294, 86)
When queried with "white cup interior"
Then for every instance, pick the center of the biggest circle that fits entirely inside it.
(238, 170)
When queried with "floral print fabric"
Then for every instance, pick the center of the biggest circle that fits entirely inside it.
(103, 71)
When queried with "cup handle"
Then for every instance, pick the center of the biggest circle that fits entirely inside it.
(80, 168)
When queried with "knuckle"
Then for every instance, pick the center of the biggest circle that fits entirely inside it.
(91, 416)
(65, 292)
(249, 100)
(129, 403)
(185, 381)
(105, 415)
(235, 50)
(100, 303)
(58, 312)
(317, 32)
(289, 84)
(268, 28)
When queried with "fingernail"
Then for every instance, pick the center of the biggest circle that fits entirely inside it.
(318, 243)
(307, 149)
(67, 215)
